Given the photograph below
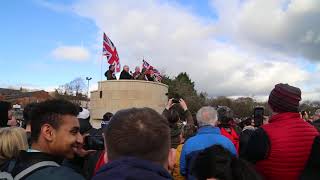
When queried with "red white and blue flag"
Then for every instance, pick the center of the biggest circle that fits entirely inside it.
(145, 64)
(156, 74)
(110, 52)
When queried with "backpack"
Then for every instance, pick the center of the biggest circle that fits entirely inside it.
(6, 175)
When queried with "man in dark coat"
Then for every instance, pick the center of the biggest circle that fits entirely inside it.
(125, 73)
(134, 149)
(110, 73)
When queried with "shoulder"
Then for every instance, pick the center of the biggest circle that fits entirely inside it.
(59, 173)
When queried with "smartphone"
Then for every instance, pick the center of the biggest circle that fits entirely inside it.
(258, 116)
(93, 143)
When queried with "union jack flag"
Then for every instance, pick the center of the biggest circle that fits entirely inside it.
(145, 64)
(156, 73)
(110, 52)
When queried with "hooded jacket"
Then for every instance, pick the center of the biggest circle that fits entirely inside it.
(132, 168)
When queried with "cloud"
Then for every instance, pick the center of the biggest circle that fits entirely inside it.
(71, 53)
(291, 27)
(174, 39)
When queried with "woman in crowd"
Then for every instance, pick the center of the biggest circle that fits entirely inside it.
(13, 140)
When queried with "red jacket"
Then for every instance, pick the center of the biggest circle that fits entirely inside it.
(232, 136)
(290, 145)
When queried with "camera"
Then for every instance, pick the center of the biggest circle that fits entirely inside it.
(175, 97)
(175, 100)
(93, 143)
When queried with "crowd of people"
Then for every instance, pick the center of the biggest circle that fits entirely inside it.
(146, 74)
(57, 141)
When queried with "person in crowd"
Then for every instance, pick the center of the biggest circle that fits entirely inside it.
(225, 118)
(106, 119)
(216, 162)
(27, 117)
(13, 140)
(110, 74)
(142, 75)
(137, 146)
(125, 74)
(4, 113)
(150, 74)
(55, 136)
(247, 130)
(173, 116)
(136, 73)
(101, 155)
(188, 130)
(316, 119)
(312, 168)
(85, 125)
(281, 148)
(86, 165)
(208, 134)
(12, 121)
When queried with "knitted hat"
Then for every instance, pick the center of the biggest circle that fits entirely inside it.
(284, 98)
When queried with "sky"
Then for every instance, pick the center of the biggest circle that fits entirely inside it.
(228, 47)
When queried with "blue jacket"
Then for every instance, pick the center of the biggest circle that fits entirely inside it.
(207, 136)
(132, 168)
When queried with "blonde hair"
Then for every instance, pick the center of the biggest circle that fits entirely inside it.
(12, 140)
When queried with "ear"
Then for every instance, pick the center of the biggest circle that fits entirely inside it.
(105, 147)
(171, 158)
(105, 156)
(48, 132)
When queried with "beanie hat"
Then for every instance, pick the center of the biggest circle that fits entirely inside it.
(225, 114)
(284, 98)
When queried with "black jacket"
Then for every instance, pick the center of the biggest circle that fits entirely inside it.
(312, 169)
(109, 75)
(316, 124)
(125, 75)
(244, 139)
(27, 159)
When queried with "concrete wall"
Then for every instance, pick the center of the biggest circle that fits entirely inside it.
(121, 94)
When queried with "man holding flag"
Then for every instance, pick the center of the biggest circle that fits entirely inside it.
(152, 74)
(110, 52)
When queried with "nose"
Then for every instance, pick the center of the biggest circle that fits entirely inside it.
(79, 138)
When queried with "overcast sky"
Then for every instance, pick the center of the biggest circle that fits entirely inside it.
(228, 47)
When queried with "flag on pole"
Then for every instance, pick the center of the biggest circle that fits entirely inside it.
(110, 52)
(145, 64)
(156, 73)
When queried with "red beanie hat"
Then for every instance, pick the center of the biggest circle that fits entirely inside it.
(284, 98)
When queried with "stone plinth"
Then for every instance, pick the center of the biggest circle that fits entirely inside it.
(121, 94)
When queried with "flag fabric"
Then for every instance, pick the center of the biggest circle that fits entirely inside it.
(156, 74)
(145, 64)
(110, 52)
